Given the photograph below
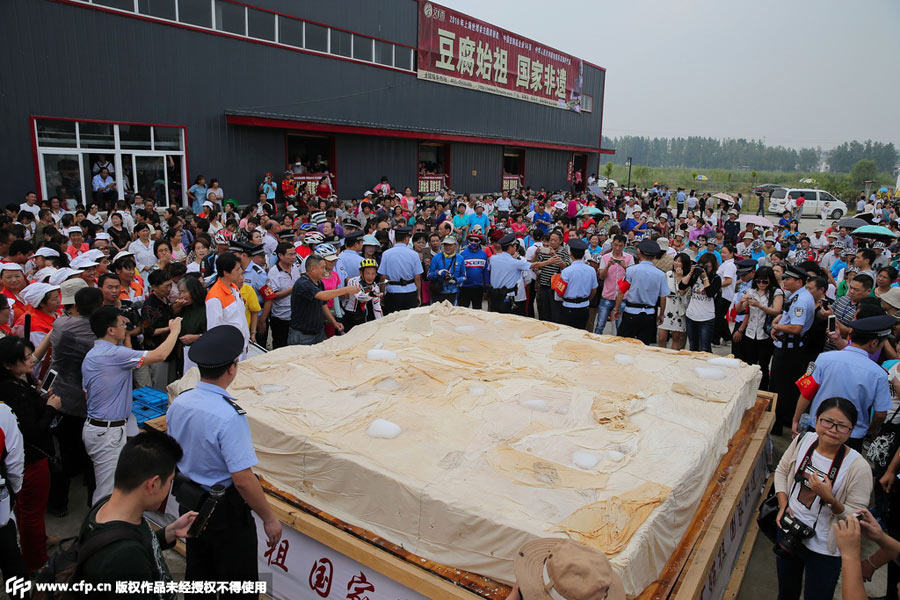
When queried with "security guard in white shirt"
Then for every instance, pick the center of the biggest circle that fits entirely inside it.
(581, 285)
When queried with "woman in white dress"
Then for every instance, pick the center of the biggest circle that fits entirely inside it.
(673, 326)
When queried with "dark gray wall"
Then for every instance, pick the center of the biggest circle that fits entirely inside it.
(547, 168)
(70, 61)
(371, 158)
(487, 160)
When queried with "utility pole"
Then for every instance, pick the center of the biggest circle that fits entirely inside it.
(628, 164)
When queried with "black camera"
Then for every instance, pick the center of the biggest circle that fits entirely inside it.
(793, 532)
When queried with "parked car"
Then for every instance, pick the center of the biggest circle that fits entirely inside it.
(814, 200)
(766, 188)
(604, 183)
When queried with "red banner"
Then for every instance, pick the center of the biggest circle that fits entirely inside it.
(458, 50)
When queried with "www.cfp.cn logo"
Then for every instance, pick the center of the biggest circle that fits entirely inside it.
(18, 587)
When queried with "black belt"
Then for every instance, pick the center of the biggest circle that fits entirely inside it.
(99, 423)
(577, 300)
(636, 305)
(503, 291)
(401, 282)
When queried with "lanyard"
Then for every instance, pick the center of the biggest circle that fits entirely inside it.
(833, 470)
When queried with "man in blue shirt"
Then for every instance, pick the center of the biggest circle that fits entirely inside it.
(644, 288)
(218, 450)
(446, 272)
(106, 374)
(851, 374)
(542, 218)
(475, 260)
(789, 358)
(680, 197)
(480, 219)
(506, 270)
(581, 285)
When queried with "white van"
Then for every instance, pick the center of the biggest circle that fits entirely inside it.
(814, 200)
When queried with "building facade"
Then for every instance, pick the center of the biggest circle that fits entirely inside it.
(166, 90)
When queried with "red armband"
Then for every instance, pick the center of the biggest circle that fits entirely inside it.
(624, 286)
(808, 387)
(267, 293)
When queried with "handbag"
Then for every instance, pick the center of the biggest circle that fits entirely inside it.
(768, 510)
(884, 446)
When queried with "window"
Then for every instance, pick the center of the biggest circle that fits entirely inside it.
(96, 135)
(340, 42)
(164, 9)
(316, 38)
(195, 12)
(362, 48)
(260, 25)
(120, 4)
(384, 53)
(290, 32)
(145, 158)
(60, 134)
(230, 17)
(587, 103)
(167, 138)
(405, 58)
(134, 136)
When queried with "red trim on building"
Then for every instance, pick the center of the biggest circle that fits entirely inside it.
(34, 153)
(133, 15)
(420, 135)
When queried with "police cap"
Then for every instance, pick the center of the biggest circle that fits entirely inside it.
(649, 248)
(256, 250)
(795, 272)
(507, 240)
(353, 235)
(352, 222)
(746, 264)
(218, 347)
(880, 325)
(404, 229)
(286, 235)
(236, 246)
(578, 244)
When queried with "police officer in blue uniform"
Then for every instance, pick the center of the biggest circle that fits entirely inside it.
(218, 451)
(506, 271)
(581, 285)
(643, 290)
(348, 261)
(789, 358)
(254, 274)
(403, 269)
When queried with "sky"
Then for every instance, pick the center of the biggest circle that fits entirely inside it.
(798, 73)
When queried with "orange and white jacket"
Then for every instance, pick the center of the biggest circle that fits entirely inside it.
(224, 306)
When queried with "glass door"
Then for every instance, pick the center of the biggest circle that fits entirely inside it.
(61, 177)
(150, 173)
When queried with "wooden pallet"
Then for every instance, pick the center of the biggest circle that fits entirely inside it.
(683, 576)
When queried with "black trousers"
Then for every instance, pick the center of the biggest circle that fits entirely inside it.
(397, 302)
(549, 308)
(280, 329)
(11, 562)
(74, 460)
(497, 302)
(225, 551)
(788, 365)
(451, 298)
(758, 352)
(679, 207)
(471, 296)
(352, 319)
(737, 348)
(639, 326)
(575, 317)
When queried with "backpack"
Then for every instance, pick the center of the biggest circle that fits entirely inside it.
(64, 566)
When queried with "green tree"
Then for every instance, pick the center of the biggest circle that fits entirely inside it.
(607, 169)
(694, 175)
(641, 173)
(863, 170)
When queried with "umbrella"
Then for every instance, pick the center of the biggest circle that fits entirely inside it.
(874, 231)
(589, 210)
(723, 196)
(702, 178)
(852, 223)
(884, 189)
(808, 180)
(756, 220)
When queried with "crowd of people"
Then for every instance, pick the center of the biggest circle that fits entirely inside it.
(116, 301)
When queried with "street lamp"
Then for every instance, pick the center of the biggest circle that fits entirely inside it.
(628, 164)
